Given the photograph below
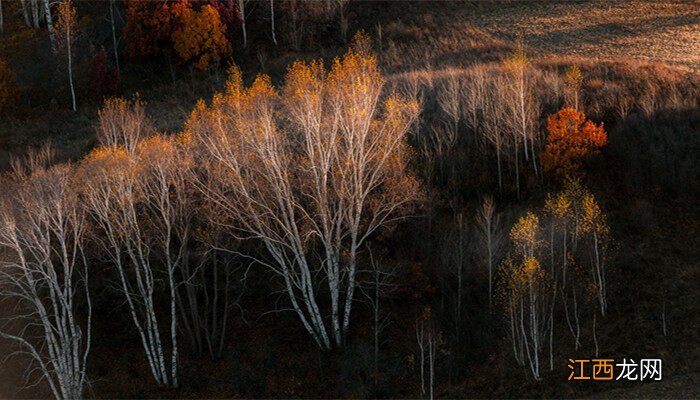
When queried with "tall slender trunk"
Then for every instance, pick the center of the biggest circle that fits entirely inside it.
(115, 46)
(35, 13)
(350, 286)
(272, 21)
(52, 35)
(70, 70)
(173, 326)
(25, 13)
(431, 359)
(500, 173)
(595, 338)
(241, 11)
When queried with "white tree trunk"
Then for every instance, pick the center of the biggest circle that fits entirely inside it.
(25, 13)
(272, 21)
(35, 13)
(44, 267)
(115, 45)
(241, 10)
(69, 49)
(49, 25)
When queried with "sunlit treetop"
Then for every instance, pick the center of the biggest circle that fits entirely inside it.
(571, 139)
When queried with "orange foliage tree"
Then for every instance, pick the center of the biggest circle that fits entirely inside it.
(200, 37)
(195, 34)
(571, 138)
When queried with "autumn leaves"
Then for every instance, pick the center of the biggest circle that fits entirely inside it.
(195, 33)
(310, 173)
(557, 269)
(570, 140)
(299, 180)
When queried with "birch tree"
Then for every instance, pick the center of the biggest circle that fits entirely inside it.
(122, 123)
(311, 174)
(493, 129)
(343, 18)
(594, 225)
(66, 31)
(42, 235)
(378, 286)
(428, 340)
(25, 12)
(115, 44)
(272, 21)
(572, 87)
(488, 223)
(527, 305)
(522, 108)
(450, 101)
(205, 299)
(138, 201)
(49, 23)
(30, 10)
(242, 14)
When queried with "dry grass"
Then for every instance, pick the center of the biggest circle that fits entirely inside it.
(459, 33)
(663, 31)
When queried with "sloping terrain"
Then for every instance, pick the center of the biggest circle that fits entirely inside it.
(653, 31)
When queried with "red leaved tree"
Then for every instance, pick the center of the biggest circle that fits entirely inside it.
(571, 138)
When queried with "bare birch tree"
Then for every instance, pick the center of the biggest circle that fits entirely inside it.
(123, 123)
(428, 340)
(49, 23)
(380, 284)
(43, 267)
(296, 10)
(473, 94)
(66, 31)
(493, 130)
(115, 44)
(242, 14)
(450, 101)
(572, 86)
(205, 300)
(30, 10)
(140, 205)
(272, 22)
(488, 223)
(521, 107)
(342, 5)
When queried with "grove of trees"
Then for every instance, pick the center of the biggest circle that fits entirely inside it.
(333, 220)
